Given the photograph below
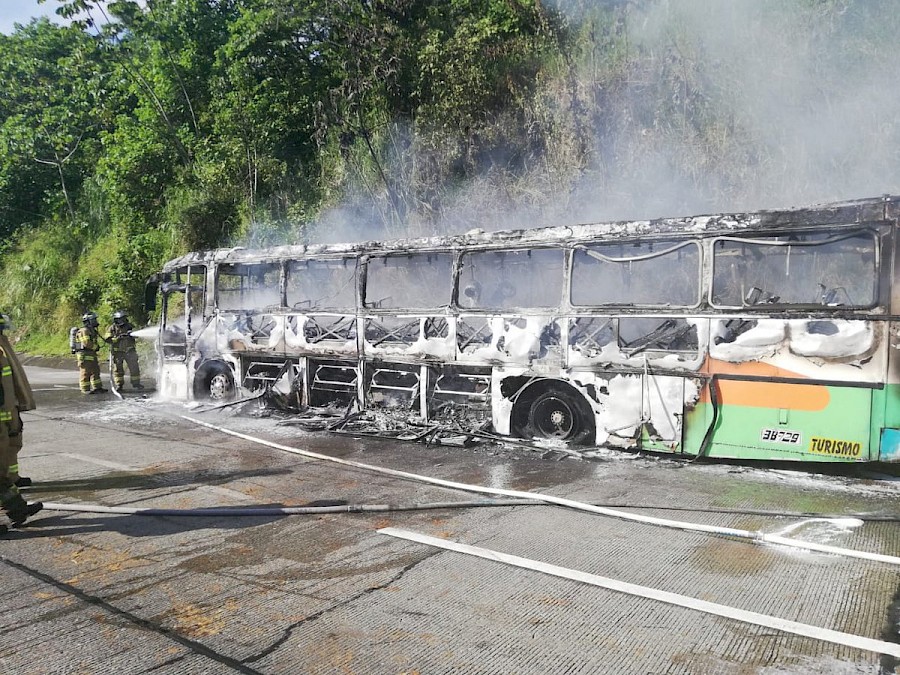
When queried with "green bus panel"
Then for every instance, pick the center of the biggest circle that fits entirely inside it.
(831, 425)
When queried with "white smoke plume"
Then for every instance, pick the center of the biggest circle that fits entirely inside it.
(699, 107)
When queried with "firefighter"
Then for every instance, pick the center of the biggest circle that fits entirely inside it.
(15, 396)
(85, 345)
(23, 395)
(124, 351)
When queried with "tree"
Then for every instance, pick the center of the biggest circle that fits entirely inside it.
(49, 119)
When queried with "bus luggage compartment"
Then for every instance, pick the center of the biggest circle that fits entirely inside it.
(772, 420)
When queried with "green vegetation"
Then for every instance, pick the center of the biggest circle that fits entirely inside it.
(136, 134)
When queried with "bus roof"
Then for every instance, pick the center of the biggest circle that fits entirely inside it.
(866, 210)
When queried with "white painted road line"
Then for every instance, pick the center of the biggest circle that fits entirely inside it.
(764, 620)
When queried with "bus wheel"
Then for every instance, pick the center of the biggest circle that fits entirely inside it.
(562, 414)
(214, 383)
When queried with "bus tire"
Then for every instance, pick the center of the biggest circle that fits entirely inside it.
(557, 412)
(560, 412)
(214, 382)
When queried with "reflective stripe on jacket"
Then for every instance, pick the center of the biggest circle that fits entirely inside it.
(121, 341)
(85, 340)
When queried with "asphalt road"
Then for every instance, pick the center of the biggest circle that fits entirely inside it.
(333, 593)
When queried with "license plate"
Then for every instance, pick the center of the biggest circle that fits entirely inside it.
(780, 436)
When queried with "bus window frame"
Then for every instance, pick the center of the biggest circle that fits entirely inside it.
(188, 330)
(519, 309)
(166, 288)
(357, 261)
(282, 276)
(362, 271)
(765, 240)
(583, 246)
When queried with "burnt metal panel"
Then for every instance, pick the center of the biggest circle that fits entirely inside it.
(392, 330)
(326, 327)
(473, 332)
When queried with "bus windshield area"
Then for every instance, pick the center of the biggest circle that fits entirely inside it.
(183, 309)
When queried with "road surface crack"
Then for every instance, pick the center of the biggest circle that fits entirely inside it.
(288, 631)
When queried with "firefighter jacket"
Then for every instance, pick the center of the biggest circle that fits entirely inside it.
(120, 339)
(86, 341)
(15, 390)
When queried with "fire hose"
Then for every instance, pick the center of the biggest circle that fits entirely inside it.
(754, 536)
(280, 510)
(517, 495)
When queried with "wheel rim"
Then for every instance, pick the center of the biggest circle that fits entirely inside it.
(219, 387)
(553, 417)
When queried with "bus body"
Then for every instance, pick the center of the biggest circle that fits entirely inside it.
(769, 335)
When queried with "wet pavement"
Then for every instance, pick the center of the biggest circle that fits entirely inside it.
(329, 593)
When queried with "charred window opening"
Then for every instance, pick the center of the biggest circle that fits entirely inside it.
(322, 285)
(591, 333)
(807, 269)
(391, 330)
(647, 273)
(256, 327)
(411, 281)
(657, 334)
(472, 332)
(464, 384)
(461, 396)
(331, 382)
(501, 280)
(183, 309)
(259, 373)
(394, 387)
(318, 328)
(248, 286)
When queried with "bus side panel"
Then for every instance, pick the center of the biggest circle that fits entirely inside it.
(780, 421)
(888, 402)
(890, 445)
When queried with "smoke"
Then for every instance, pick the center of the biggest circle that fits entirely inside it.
(745, 105)
(669, 108)
(788, 103)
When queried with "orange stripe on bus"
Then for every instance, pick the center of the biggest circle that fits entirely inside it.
(764, 394)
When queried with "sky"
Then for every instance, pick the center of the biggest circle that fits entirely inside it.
(21, 11)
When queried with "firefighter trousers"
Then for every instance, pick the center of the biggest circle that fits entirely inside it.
(89, 371)
(10, 444)
(122, 359)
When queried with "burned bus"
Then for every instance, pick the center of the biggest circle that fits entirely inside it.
(768, 335)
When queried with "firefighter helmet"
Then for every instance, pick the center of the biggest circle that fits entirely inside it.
(120, 317)
(89, 319)
(6, 323)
